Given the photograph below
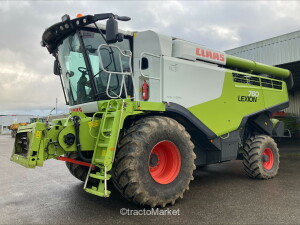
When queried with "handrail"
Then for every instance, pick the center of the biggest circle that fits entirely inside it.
(110, 73)
(149, 77)
(92, 122)
(120, 51)
(143, 75)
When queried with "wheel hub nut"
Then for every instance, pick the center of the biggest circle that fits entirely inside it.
(265, 158)
(153, 160)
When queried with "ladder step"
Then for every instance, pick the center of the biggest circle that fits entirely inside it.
(107, 130)
(102, 145)
(99, 161)
(110, 115)
(97, 176)
(94, 191)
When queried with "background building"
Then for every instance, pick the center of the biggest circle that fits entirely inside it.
(282, 51)
(7, 120)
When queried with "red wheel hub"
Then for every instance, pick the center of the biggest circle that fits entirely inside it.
(164, 162)
(268, 158)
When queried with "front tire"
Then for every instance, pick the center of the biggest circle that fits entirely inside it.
(261, 157)
(78, 171)
(155, 162)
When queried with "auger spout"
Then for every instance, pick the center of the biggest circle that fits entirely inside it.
(249, 65)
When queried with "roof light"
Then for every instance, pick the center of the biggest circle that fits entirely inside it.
(65, 18)
(79, 15)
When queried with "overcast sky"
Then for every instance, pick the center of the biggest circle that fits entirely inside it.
(27, 84)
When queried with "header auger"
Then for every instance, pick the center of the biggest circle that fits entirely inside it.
(146, 109)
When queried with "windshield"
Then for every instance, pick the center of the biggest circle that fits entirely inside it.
(74, 70)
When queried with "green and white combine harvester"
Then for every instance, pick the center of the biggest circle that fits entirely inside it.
(146, 109)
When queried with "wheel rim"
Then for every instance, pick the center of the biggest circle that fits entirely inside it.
(268, 158)
(164, 162)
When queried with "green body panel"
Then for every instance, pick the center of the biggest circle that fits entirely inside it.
(34, 133)
(150, 106)
(256, 67)
(273, 97)
(224, 114)
(88, 129)
(52, 147)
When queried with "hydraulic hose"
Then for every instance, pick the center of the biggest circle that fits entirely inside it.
(75, 120)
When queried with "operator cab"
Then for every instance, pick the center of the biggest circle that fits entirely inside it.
(90, 67)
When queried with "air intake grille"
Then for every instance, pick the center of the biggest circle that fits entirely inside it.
(257, 81)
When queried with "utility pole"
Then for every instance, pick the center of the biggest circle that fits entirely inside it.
(56, 106)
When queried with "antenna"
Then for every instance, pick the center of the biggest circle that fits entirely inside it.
(50, 114)
(56, 106)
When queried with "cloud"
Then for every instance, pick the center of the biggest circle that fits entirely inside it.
(27, 83)
(23, 89)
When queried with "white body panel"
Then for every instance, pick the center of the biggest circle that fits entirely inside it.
(187, 50)
(191, 83)
(90, 107)
(155, 44)
(175, 72)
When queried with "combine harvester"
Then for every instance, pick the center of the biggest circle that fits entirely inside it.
(146, 109)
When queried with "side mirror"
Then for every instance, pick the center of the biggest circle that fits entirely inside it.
(112, 35)
(56, 69)
(111, 31)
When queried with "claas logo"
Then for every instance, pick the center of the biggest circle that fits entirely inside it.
(79, 109)
(210, 54)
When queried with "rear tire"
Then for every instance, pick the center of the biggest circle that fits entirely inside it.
(155, 162)
(261, 157)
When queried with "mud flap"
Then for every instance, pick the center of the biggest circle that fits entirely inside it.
(29, 145)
